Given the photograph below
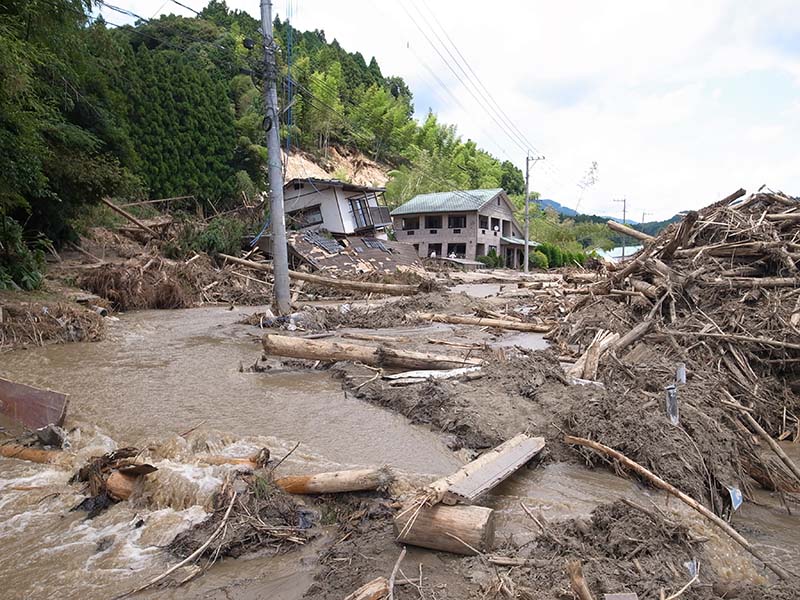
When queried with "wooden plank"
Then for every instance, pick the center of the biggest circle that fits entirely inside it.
(30, 406)
(491, 473)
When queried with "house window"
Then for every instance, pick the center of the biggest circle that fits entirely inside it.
(433, 222)
(359, 208)
(457, 250)
(410, 223)
(483, 221)
(305, 217)
(434, 250)
(457, 221)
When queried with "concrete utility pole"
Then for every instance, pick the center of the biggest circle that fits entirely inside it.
(280, 257)
(624, 217)
(528, 161)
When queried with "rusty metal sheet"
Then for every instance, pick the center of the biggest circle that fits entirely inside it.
(30, 406)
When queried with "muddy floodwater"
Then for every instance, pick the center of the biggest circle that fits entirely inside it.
(168, 371)
(162, 373)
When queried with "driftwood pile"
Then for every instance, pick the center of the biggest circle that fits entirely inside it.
(718, 292)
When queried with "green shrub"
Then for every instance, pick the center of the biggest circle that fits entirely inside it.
(20, 264)
(538, 260)
(492, 260)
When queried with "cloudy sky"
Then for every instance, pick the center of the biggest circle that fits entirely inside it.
(679, 103)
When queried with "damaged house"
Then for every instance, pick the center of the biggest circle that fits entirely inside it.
(466, 224)
(335, 206)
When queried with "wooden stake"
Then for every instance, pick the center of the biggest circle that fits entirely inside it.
(660, 483)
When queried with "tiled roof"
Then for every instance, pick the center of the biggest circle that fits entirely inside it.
(455, 201)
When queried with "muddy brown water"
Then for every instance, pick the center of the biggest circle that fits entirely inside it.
(160, 373)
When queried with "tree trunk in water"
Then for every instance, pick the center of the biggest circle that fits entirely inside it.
(380, 356)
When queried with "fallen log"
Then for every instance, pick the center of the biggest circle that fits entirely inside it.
(380, 356)
(355, 480)
(688, 500)
(752, 282)
(633, 335)
(128, 216)
(736, 338)
(457, 344)
(482, 322)
(36, 455)
(465, 530)
(428, 374)
(366, 337)
(32, 407)
(377, 589)
(391, 289)
(625, 230)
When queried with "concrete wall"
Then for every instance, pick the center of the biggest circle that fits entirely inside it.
(472, 235)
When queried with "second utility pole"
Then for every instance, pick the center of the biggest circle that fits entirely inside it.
(280, 255)
(528, 161)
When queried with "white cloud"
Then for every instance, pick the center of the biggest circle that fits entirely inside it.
(680, 103)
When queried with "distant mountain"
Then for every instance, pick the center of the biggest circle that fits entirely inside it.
(569, 212)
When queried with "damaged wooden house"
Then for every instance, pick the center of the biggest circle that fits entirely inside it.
(340, 228)
(333, 206)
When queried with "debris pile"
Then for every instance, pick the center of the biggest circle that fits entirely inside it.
(38, 323)
(718, 293)
(156, 282)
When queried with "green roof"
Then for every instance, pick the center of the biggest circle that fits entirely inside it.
(455, 201)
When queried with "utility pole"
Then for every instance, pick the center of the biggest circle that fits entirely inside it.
(528, 161)
(280, 257)
(624, 217)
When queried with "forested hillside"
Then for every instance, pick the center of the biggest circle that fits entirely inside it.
(172, 106)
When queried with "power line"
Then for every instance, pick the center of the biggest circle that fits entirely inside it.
(199, 14)
(453, 71)
(496, 112)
